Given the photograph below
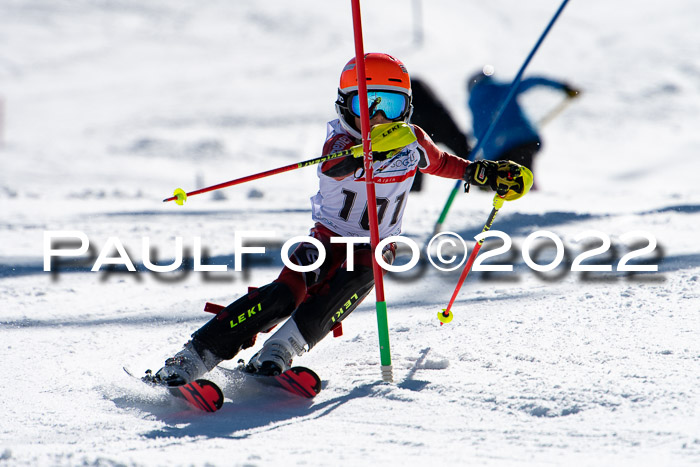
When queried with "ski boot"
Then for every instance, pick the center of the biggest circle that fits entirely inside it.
(186, 366)
(277, 353)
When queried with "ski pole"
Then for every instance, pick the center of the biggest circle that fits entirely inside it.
(388, 136)
(511, 93)
(445, 316)
(503, 193)
(554, 113)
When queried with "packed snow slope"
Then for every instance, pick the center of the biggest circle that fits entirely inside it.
(109, 106)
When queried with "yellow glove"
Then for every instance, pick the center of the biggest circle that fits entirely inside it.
(510, 180)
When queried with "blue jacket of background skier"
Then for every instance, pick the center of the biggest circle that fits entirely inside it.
(514, 128)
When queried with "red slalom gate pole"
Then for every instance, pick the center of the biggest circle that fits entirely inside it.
(382, 319)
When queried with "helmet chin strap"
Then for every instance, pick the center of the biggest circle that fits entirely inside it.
(347, 125)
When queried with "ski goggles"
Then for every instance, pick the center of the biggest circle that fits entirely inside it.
(393, 104)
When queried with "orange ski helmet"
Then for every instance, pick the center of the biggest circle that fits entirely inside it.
(384, 73)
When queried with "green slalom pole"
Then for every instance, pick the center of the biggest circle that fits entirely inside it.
(445, 210)
(384, 344)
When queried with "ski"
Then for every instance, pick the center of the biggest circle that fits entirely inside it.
(298, 380)
(201, 394)
(205, 395)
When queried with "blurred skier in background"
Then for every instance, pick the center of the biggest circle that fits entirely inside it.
(515, 137)
(310, 304)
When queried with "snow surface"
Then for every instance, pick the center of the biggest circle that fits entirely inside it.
(110, 105)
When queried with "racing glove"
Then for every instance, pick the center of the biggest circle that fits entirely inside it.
(501, 176)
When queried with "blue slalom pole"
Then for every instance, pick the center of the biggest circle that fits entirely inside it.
(511, 93)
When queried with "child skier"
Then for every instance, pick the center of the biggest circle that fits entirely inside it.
(310, 301)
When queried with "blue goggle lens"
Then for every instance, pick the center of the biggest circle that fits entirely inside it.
(393, 104)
